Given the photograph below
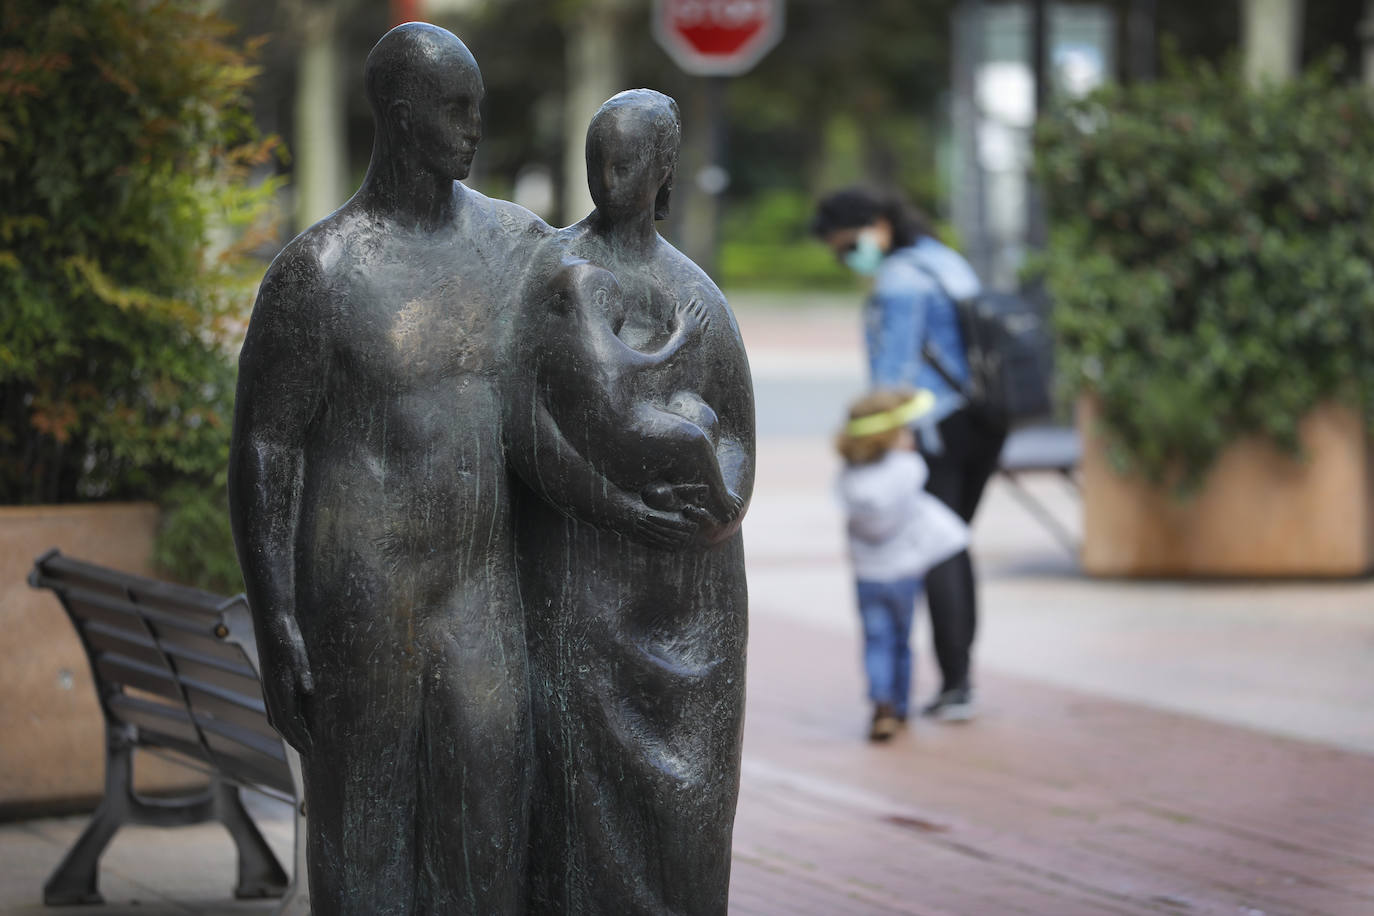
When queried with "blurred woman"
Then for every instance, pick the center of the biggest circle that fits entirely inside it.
(912, 312)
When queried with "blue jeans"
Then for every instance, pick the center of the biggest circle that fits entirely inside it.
(887, 609)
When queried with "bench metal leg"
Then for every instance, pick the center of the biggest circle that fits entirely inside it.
(1040, 513)
(76, 879)
(260, 874)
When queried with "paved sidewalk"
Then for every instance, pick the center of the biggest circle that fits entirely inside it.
(1144, 747)
(1054, 802)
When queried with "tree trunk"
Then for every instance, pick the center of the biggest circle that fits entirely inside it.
(1141, 41)
(703, 155)
(1272, 37)
(593, 75)
(321, 149)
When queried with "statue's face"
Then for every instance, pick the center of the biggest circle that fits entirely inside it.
(624, 174)
(447, 125)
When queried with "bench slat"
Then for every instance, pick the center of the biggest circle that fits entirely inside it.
(80, 601)
(223, 733)
(245, 754)
(165, 726)
(122, 671)
(211, 707)
(236, 683)
(229, 660)
(250, 766)
(177, 598)
(206, 647)
(131, 644)
(104, 612)
(240, 754)
(245, 710)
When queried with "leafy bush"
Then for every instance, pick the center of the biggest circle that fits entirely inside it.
(1211, 260)
(766, 243)
(125, 151)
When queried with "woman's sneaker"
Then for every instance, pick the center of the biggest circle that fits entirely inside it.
(885, 723)
(952, 706)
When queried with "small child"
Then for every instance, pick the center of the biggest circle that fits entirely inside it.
(897, 532)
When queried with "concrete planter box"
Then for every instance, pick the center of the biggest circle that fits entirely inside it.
(1260, 513)
(52, 735)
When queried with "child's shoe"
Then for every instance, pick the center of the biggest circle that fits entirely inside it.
(885, 723)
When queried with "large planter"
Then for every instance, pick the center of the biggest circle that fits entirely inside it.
(52, 735)
(1260, 512)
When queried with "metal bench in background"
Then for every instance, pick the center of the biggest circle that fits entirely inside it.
(176, 673)
(1055, 450)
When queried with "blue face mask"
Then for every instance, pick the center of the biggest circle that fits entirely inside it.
(866, 256)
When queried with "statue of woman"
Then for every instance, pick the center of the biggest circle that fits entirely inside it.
(635, 601)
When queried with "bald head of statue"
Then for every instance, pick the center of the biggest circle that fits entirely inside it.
(426, 94)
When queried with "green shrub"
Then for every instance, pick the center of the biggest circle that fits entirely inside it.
(766, 244)
(125, 151)
(1211, 260)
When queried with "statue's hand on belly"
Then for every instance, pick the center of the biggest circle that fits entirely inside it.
(696, 501)
(651, 519)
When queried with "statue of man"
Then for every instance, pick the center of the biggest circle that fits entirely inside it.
(372, 515)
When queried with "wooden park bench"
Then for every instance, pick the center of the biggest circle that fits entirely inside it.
(176, 673)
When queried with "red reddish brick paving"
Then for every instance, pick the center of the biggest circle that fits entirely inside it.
(1053, 803)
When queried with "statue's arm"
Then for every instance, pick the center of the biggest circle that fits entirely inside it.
(282, 368)
(730, 392)
(690, 320)
(566, 479)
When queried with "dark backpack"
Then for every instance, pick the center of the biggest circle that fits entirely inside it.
(1010, 355)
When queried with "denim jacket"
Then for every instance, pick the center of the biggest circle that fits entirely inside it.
(909, 307)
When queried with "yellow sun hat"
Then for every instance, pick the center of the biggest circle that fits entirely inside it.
(902, 415)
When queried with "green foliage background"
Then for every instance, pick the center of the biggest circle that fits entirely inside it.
(125, 152)
(767, 244)
(1211, 260)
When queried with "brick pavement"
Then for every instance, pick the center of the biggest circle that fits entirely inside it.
(1054, 802)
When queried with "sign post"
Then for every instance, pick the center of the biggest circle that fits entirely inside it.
(714, 39)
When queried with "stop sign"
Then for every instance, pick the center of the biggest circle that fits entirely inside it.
(717, 37)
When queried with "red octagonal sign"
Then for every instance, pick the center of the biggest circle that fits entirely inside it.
(717, 37)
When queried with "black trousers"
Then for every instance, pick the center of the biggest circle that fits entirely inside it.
(958, 475)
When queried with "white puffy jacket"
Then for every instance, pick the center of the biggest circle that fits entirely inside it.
(896, 529)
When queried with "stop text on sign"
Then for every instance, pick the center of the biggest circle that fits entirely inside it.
(717, 37)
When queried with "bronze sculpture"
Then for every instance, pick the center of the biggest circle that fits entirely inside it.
(390, 462)
(636, 653)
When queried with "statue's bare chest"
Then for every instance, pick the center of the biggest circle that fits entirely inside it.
(417, 322)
